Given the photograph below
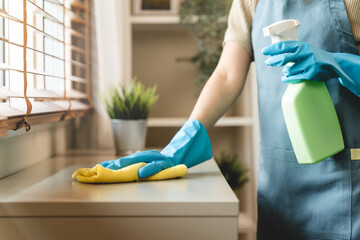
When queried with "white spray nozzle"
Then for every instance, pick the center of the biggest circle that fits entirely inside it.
(282, 31)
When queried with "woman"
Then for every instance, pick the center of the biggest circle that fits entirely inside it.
(320, 201)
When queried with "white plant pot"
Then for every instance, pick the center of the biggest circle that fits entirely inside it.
(129, 135)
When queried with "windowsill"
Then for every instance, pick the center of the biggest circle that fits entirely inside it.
(47, 190)
(21, 131)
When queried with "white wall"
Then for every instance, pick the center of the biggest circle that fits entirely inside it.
(110, 41)
(20, 149)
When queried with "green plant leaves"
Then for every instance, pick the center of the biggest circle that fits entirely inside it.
(207, 22)
(233, 170)
(133, 102)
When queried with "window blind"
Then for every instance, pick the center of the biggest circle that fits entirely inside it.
(44, 62)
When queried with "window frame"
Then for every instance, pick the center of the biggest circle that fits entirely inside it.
(76, 100)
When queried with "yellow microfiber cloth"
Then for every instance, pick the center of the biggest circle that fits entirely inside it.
(100, 174)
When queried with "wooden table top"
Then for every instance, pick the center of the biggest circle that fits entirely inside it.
(47, 189)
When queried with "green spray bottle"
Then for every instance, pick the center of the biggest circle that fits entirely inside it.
(309, 113)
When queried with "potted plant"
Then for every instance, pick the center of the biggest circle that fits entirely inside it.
(234, 171)
(129, 108)
(207, 22)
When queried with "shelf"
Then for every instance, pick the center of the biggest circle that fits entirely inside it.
(246, 224)
(142, 20)
(223, 122)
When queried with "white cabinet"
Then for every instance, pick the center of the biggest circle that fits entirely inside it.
(43, 202)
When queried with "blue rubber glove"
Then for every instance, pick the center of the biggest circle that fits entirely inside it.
(190, 146)
(312, 63)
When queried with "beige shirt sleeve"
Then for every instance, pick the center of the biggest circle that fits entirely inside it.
(242, 12)
(240, 23)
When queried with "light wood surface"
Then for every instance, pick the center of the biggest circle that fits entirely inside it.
(178, 122)
(46, 189)
(155, 19)
(43, 202)
(115, 228)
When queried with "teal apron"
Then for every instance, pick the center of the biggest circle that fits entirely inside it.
(320, 201)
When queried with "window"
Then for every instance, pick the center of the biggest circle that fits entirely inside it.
(44, 61)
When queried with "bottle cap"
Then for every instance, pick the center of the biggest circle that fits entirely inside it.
(280, 27)
(282, 31)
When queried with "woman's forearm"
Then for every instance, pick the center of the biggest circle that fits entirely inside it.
(224, 85)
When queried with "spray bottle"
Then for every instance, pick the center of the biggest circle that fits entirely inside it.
(309, 113)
